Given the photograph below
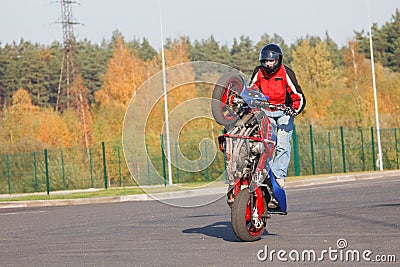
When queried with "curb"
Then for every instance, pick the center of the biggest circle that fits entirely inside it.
(190, 193)
(343, 178)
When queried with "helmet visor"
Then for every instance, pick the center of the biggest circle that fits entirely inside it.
(269, 55)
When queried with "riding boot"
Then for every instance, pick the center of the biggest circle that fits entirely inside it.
(229, 194)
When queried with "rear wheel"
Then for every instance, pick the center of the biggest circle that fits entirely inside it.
(241, 218)
(225, 112)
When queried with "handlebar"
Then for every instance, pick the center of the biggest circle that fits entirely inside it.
(262, 103)
(268, 105)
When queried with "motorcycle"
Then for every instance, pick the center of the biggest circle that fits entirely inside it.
(248, 143)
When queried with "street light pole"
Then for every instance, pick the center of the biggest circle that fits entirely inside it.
(165, 101)
(375, 95)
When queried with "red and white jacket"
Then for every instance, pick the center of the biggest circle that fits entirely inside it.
(281, 87)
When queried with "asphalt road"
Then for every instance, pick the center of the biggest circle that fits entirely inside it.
(365, 213)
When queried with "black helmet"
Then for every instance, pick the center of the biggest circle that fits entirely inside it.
(271, 52)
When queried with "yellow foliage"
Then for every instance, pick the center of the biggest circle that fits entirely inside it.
(22, 102)
(312, 64)
(353, 62)
(302, 63)
(124, 75)
(177, 91)
(52, 129)
(315, 73)
(20, 119)
(80, 104)
(108, 120)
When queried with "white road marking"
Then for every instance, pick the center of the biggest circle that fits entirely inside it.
(22, 212)
(332, 185)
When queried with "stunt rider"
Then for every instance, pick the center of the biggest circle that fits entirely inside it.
(278, 82)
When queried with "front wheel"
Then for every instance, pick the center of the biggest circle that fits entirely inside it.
(245, 226)
(224, 110)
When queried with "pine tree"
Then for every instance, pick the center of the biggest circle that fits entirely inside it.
(275, 39)
(244, 56)
(334, 52)
(210, 50)
(92, 60)
(385, 42)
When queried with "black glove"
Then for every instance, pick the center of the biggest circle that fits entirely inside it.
(289, 111)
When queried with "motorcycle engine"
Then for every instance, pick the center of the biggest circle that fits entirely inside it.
(249, 153)
(257, 147)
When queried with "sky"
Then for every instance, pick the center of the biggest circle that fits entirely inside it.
(36, 20)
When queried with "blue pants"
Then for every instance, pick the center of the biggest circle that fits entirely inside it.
(283, 126)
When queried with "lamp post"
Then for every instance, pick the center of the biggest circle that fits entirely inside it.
(165, 101)
(375, 96)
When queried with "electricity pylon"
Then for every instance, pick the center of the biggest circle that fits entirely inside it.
(67, 70)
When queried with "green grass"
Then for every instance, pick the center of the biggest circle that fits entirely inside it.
(109, 192)
(99, 193)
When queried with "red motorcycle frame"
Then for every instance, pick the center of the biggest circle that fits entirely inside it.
(248, 144)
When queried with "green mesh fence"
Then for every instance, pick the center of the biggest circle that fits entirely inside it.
(316, 150)
(340, 150)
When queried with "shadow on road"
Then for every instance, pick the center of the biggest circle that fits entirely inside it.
(218, 229)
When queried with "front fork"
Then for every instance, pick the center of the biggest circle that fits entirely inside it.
(257, 206)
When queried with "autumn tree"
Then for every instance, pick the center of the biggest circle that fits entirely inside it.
(175, 55)
(316, 75)
(80, 105)
(123, 77)
(125, 73)
(353, 76)
(52, 130)
(19, 119)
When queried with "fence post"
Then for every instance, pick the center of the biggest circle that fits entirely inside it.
(8, 174)
(63, 171)
(396, 148)
(177, 164)
(373, 148)
(91, 168)
(343, 153)
(104, 165)
(46, 164)
(362, 149)
(163, 159)
(206, 152)
(296, 153)
(330, 152)
(312, 151)
(119, 167)
(148, 164)
(35, 172)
